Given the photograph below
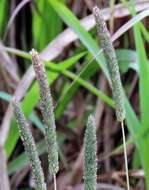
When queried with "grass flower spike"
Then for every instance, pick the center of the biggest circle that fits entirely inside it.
(110, 55)
(30, 147)
(47, 110)
(113, 68)
(90, 162)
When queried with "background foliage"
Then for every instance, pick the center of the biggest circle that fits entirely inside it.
(78, 77)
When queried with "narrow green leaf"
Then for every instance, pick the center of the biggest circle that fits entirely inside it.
(3, 15)
(144, 94)
(5, 96)
(44, 23)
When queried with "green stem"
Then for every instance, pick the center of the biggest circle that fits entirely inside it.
(55, 185)
(125, 156)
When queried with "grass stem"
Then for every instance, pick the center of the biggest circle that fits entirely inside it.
(125, 156)
(55, 185)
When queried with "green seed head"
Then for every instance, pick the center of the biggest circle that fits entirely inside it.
(46, 105)
(110, 55)
(30, 147)
(90, 162)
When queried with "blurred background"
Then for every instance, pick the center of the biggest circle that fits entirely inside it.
(64, 34)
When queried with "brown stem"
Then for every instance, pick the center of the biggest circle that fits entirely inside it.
(4, 181)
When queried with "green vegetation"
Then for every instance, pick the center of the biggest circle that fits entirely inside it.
(80, 81)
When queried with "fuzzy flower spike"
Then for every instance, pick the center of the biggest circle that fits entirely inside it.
(113, 69)
(112, 63)
(30, 147)
(90, 160)
(46, 105)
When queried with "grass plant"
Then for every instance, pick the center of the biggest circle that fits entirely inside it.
(113, 68)
(77, 74)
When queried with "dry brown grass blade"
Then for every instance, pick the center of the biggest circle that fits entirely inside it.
(9, 63)
(13, 16)
(9, 77)
(53, 50)
(4, 182)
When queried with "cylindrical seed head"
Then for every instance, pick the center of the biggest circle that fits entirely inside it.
(46, 105)
(30, 147)
(112, 63)
(90, 162)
